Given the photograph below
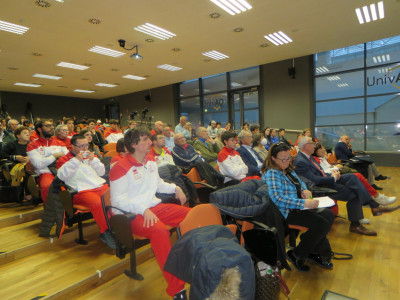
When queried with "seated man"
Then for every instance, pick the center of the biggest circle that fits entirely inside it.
(282, 138)
(70, 124)
(348, 187)
(120, 147)
(229, 161)
(157, 128)
(158, 153)
(12, 125)
(114, 134)
(248, 155)
(134, 182)
(254, 129)
(81, 170)
(97, 136)
(343, 151)
(61, 135)
(183, 153)
(208, 148)
(212, 130)
(182, 128)
(5, 137)
(43, 153)
(169, 139)
(131, 125)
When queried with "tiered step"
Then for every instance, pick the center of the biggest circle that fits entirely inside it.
(15, 213)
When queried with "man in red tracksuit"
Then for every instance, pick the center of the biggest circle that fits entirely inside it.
(43, 153)
(134, 182)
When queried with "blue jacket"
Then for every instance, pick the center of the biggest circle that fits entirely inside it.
(183, 157)
(342, 151)
(249, 160)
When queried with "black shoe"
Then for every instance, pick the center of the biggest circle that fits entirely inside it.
(297, 263)
(181, 295)
(381, 177)
(376, 187)
(108, 239)
(320, 261)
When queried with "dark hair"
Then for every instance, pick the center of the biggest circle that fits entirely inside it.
(91, 144)
(77, 137)
(19, 130)
(254, 127)
(227, 135)
(273, 152)
(113, 121)
(256, 138)
(76, 126)
(219, 123)
(91, 121)
(245, 123)
(121, 145)
(317, 147)
(132, 136)
(39, 124)
(281, 129)
(66, 120)
(26, 123)
(154, 137)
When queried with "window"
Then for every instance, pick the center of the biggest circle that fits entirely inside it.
(245, 78)
(190, 107)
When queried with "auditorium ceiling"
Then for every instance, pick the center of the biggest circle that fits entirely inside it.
(64, 31)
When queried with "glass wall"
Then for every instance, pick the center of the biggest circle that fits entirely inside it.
(227, 97)
(357, 93)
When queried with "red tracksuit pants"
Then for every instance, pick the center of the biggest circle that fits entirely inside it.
(45, 180)
(92, 200)
(168, 214)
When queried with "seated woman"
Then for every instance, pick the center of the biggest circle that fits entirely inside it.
(267, 135)
(77, 129)
(291, 197)
(320, 157)
(259, 143)
(92, 146)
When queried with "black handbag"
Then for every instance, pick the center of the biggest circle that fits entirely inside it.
(268, 286)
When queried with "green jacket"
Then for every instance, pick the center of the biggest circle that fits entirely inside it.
(210, 154)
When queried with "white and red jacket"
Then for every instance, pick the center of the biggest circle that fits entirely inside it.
(80, 175)
(134, 185)
(40, 153)
(231, 164)
(66, 142)
(162, 158)
(112, 136)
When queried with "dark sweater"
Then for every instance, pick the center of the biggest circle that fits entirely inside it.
(11, 149)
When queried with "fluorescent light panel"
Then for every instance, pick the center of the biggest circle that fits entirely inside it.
(155, 31)
(332, 78)
(381, 59)
(278, 38)
(383, 71)
(233, 7)
(106, 84)
(134, 77)
(367, 14)
(47, 76)
(169, 67)
(27, 84)
(14, 28)
(106, 51)
(320, 70)
(343, 84)
(215, 55)
(83, 91)
(72, 66)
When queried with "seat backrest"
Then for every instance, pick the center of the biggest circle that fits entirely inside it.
(111, 153)
(216, 167)
(110, 146)
(200, 216)
(194, 176)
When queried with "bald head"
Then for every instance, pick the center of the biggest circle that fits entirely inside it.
(179, 139)
(345, 139)
(182, 120)
(158, 126)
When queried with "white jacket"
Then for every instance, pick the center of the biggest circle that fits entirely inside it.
(231, 164)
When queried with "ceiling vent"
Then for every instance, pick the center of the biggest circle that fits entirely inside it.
(42, 3)
(94, 21)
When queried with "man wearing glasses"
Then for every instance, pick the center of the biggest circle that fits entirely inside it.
(81, 170)
(43, 153)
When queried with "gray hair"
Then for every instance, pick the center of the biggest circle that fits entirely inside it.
(178, 136)
(11, 120)
(200, 129)
(303, 141)
(243, 134)
(58, 128)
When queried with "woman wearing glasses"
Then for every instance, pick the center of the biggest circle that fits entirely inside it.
(295, 203)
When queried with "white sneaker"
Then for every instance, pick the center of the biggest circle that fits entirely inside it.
(385, 200)
(364, 221)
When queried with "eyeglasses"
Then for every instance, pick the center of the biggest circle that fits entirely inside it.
(284, 159)
(48, 125)
(81, 146)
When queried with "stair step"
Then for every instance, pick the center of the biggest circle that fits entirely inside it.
(15, 213)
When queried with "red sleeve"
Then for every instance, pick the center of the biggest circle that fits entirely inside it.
(222, 156)
(62, 160)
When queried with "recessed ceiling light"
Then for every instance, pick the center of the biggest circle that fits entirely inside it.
(215, 55)
(343, 85)
(14, 28)
(149, 40)
(333, 78)
(381, 59)
(134, 77)
(83, 91)
(169, 67)
(106, 51)
(62, 1)
(323, 69)
(106, 84)
(176, 49)
(368, 14)
(264, 45)
(233, 7)
(238, 29)
(155, 31)
(214, 15)
(278, 38)
(114, 70)
(28, 84)
(47, 76)
(72, 66)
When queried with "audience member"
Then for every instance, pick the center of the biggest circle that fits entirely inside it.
(259, 143)
(218, 138)
(348, 187)
(61, 135)
(120, 147)
(254, 129)
(248, 155)
(274, 138)
(282, 138)
(230, 163)
(5, 137)
(245, 127)
(307, 133)
(267, 135)
(81, 170)
(158, 152)
(12, 126)
(97, 136)
(136, 194)
(92, 146)
(191, 130)
(291, 196)
(228, 127)
(183, 153)
(157, 128)
(77, 129)
(70, 124)
(207, 147)
(169, 139)
(343, 151)
(182, 128)
(212, 130)
(43, 153)
(131, 125)
(114, 134)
